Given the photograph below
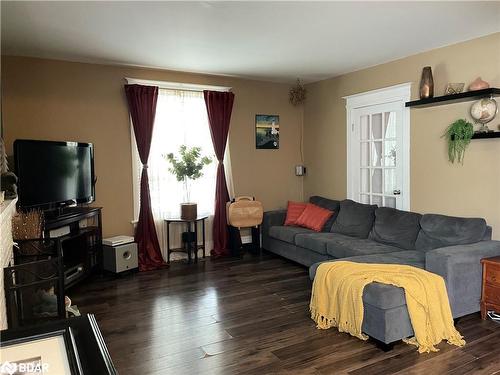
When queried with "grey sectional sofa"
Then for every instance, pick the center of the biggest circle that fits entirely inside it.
(448, 246)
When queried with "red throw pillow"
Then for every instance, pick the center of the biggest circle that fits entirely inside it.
(293, 212)
(314, 217)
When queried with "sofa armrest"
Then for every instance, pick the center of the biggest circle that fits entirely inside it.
(460, 266)
(272, 218)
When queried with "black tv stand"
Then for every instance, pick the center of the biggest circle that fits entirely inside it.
(81, 240)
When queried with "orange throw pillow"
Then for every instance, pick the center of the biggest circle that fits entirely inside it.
(293, 212)
(314, 217)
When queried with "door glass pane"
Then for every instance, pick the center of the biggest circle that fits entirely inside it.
(377, 126)
(365, 127)
(365, 154)
(377, 199)
(390, 181)
(390, 202)
(365, 180)
(389, 125)
(390, 154)
(379, 155)
(377, 180)
(364, 198)
(376, 154)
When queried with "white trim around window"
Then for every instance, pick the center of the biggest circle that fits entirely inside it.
(176, 85)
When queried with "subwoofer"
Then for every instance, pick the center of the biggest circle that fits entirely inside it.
(120, 258)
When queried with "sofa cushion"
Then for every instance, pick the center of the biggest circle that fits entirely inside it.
(287, 233)
(293, 212)
(440, 231)
(354, 219)
(342, 246)
(396, 227)
(314, 241)
(314, 217)
(329, 204)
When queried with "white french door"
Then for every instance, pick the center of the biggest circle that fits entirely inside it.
(378, 154)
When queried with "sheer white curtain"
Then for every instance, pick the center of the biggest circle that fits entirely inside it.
(181, 119)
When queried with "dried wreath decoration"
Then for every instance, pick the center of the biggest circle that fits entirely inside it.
(297, 94)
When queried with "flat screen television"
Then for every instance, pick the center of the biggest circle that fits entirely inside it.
(54, 174)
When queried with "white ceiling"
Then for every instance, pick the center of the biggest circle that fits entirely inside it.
(276, 41)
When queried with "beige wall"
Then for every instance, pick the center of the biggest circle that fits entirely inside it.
(436, 185)
(46, 99)
(55, 100)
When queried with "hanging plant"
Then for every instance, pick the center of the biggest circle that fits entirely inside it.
(458, 135)
(297, 94)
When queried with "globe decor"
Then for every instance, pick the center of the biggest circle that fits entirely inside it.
(484, 111)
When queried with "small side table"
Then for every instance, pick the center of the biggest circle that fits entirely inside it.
(190, 224)
(490, 296)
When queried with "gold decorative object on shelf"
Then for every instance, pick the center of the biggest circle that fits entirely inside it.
(454, 88)
(28, 225)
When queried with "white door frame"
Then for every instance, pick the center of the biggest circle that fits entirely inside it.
(394, 94)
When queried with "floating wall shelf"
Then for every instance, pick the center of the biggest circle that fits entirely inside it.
(486, 135)
(455, 98)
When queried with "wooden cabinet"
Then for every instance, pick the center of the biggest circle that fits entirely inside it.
(490, 297)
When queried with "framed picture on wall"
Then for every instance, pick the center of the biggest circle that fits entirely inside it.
(267, 132)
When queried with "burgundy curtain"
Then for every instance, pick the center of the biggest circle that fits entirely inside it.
(142, 107)
(219, 107)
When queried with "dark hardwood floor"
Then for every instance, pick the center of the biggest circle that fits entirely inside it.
(251, 317)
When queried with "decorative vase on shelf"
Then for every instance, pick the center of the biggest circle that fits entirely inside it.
(426, 83)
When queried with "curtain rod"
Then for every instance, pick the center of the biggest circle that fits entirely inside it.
(176, 85)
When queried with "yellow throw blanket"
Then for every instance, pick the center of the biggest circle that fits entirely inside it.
(337, 300)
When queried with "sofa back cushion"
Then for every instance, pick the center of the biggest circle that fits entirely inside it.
(314, 217)
(440, 231)
(354, 219)
(329, 204)
(396, 227)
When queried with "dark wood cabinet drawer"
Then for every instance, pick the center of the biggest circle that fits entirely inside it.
(492, 276)
(491, 294)
(490, 298)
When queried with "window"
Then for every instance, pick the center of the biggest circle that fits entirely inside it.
(181, 119)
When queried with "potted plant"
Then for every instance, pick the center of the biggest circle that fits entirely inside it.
(187, 167)
(458, 135)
